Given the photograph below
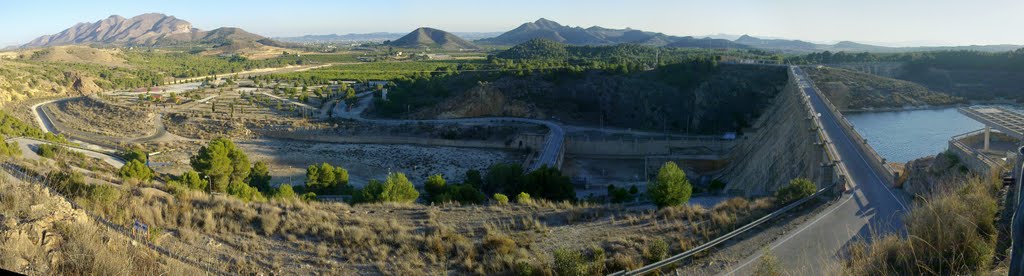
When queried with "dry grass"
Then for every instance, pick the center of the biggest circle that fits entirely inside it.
(411, 239)
(42, 234)
(952, 232)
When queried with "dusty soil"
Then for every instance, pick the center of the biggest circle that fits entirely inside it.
(87, 115)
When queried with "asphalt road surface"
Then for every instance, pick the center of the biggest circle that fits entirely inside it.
(869, 210)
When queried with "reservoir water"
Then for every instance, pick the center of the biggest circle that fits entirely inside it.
(901, 136)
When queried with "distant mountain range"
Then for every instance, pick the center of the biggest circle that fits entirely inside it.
(551, 30)
(151, 29)
(432, 38)
(157, 30)
(373, 37)
(799, 46)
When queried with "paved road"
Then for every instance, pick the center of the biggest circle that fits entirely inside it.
(549, 153)
(869, 209)
(28, 147)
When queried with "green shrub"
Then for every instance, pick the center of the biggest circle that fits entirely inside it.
(395, 188)
(47, 150)
(574, 262)
(285, 192)
(135, 170)
(524, 198)
(798, 188)
(502, 199)
(671, 187)
(192, 180)
(435, 185)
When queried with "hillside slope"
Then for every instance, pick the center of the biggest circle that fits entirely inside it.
(551, 30)
(432, 38)
(852, 90)
(715, 99)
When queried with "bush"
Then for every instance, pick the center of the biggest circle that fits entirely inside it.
(9, 149)
(192, 180)
(46, 150)
(285, 192)
(524, 198)
(573, 262)
(656, 250)
(619, 195)
(245, 192)
(396, 188)
(798, 188)
(135, 170)
(135, 154)
(548, 182)
(671, 188)
(502, 199)
(435, 185)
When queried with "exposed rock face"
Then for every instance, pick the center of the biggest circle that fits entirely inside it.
(82, 84)
(485, 100)
(142, 29)
(929, 175)
(151, 29)
(781, 147)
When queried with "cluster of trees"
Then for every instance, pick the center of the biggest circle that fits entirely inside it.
(622, 195)
(961, 60)
(542, 54)
(186, 65)
(227, 170)
(135, 166)
(439, 191)
(327, 180)
(545, 182)
(51, 151)
(9, 149)
(371, 71)
(11, 127)
(395, 188)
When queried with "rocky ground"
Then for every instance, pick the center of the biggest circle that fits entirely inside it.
(288, 159)
(42, 234)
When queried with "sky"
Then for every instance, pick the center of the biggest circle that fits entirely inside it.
(884, 22)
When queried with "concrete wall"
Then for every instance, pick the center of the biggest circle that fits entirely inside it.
(782, 145)
(973, 158)
(635, 147)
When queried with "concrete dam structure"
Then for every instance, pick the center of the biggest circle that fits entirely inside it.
(781, 145)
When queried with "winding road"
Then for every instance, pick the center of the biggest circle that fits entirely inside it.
(550, 154)
(869, 210)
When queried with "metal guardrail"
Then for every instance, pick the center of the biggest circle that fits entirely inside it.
(22, 175)
(832, 154)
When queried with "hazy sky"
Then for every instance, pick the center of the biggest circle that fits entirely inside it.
(930, 22)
